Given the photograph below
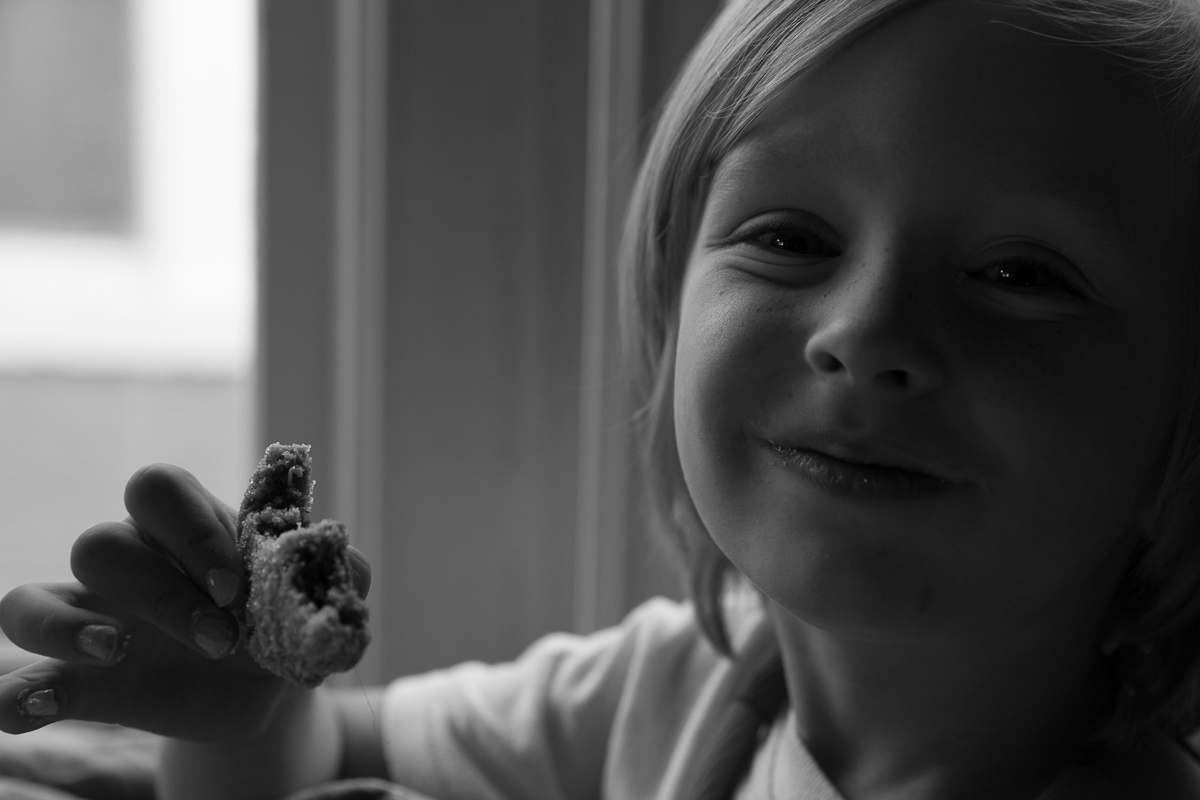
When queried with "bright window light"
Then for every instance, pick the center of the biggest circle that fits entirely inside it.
(127, 297)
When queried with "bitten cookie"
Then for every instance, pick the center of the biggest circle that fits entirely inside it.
(303, 620)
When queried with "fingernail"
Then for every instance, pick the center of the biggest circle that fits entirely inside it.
(222, 586)
(100, 641)
(213, 634)
(39, 704)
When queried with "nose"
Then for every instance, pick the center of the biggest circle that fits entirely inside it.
(872, 333)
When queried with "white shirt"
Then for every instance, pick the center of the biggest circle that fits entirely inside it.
(611, 716)
(783, 769)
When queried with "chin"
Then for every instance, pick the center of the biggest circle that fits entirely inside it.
(844, 587)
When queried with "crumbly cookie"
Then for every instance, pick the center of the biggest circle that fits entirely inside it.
(304, 619)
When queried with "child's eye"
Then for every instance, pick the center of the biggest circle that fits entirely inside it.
(1024, 276)
(787, 237)
(794, 242)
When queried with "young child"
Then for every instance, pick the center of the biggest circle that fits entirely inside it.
(913, 284)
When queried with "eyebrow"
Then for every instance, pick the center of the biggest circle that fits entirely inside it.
(1083, 191)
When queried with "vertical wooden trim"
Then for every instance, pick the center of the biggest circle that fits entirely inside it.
(295, 228)
(603, 517)
(486, 137)
(258, 375)
(358, 291)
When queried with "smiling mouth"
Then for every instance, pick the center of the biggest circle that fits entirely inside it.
(857, 479)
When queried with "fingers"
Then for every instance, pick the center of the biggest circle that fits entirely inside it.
(360, 570)
(64, 621)
(54, 619)
(169, 698)
(32, 697)
(171, 507)
(52, 690)
(114, 562)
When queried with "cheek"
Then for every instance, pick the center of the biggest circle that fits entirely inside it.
(1082, 418)
(736, 363)
(703, 393)
(1076, 424)
(732, 360)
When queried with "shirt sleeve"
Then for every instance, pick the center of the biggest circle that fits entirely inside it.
(538, 728)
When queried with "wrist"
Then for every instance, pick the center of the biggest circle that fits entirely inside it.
(300, 745)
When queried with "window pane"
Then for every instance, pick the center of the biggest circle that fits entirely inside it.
(126, 259)
(65, 135)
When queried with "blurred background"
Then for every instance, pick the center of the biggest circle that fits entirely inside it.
(127, 141)
(383, 227)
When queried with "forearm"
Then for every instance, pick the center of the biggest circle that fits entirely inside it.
(302, 746)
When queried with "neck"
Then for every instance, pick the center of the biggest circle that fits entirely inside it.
(978, 717)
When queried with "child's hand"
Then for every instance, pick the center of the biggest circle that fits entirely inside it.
(144, 639)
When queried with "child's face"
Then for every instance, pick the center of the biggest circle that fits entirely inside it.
(957, 250)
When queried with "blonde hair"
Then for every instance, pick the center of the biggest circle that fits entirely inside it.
(751, 52)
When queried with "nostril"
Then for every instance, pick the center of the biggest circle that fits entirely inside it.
(826, 362)
(896, 378)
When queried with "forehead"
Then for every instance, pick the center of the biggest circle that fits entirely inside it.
(964, 96)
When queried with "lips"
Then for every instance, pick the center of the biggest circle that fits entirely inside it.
(864, 472)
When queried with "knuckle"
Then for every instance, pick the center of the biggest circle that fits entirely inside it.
(96, 537)
(13, 600)
(11, 607)
(26, 616)
(169, 604)
(169, 504)
(150, 485)
(149, 480)
(91, 548)
(42, 626)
